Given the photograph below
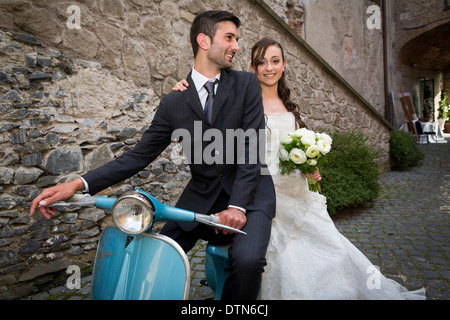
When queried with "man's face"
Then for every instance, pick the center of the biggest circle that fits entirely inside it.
(224, 45)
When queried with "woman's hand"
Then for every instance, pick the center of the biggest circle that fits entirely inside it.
(315, 175)
(181, 85)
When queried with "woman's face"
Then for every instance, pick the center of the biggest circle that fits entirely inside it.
(271, 67)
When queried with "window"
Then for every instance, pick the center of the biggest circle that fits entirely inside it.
(446, 4)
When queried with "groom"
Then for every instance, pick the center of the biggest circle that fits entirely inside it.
(231, 188)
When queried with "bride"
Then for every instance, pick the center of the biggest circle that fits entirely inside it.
(307, 257)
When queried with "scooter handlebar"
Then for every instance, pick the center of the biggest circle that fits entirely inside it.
(170, 213)
(77, 200)
(213, 221)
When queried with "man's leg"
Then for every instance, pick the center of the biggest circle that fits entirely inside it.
(247, 258)
(186, 240)
(187, 236)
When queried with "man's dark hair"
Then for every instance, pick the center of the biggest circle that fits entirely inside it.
(206, 22)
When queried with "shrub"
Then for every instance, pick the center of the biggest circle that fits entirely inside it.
(404, 151)
(350, 175)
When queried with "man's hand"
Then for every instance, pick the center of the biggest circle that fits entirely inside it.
(57, 193)
(231, 217)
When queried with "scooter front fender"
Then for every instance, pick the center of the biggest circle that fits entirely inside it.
(141, 267)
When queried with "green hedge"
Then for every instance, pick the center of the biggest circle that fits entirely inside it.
(350, 175)
(404, 151)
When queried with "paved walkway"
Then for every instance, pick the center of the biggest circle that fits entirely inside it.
(405, 231)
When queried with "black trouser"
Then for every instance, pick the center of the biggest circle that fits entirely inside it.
(247, 252)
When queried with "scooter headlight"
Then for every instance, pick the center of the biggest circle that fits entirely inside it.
(133, 213)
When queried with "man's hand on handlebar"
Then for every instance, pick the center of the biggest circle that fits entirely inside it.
(231, 217)
(57, 193)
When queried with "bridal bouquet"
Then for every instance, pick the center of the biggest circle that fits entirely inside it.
(304, 150)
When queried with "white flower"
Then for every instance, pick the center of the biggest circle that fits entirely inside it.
(312, 162)
(300, 132)
(283, 154)
(326, 137)
(297, 156)
(324, 146)
(287, 139)
(312, 151)
(308, 139)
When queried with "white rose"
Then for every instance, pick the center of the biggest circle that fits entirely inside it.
(297, 156)
(283, 154)
(308, 139)
(324, 146)
(312, 162)
(300, 132)
(312, 151)
(287, 139)
(326, 137)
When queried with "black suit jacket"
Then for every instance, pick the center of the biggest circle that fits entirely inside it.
(237, 105)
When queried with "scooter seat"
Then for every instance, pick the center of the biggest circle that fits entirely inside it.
(220, 251)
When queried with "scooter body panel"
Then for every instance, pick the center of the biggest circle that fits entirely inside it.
(142, 267)
(216, 267)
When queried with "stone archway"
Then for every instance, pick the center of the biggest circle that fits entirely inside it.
(430, 50)
(425, 65)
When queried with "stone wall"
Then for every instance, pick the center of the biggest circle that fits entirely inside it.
(61, 118)
(72, 99)
(348, 44)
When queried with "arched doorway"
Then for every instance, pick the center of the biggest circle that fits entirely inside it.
(427, 61)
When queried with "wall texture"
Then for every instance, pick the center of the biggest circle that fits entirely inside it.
(72, 99)
(348, 44)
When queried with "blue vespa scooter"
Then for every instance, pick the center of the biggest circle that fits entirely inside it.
(133, 263)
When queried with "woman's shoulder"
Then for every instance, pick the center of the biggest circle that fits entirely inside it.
(239, 75)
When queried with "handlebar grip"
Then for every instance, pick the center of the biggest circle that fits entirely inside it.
(78, 197)
(214, 218)
(213, 221)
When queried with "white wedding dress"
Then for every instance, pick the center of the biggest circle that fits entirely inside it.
(307, 257)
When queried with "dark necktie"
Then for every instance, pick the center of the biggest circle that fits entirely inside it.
(209, 86)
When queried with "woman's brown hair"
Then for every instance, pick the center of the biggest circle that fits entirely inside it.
(258, 52)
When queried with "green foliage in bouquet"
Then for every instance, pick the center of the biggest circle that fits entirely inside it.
(350, 176)
(404, 151)
(304, 150)
(301, 161)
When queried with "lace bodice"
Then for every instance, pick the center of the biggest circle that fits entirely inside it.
(277, 126)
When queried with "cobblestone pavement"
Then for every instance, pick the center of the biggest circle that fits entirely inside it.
(405, 231)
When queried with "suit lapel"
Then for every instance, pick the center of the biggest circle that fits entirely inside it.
(225, 85)
(193, 100)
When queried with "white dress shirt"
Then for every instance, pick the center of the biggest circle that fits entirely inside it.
(199, 82)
